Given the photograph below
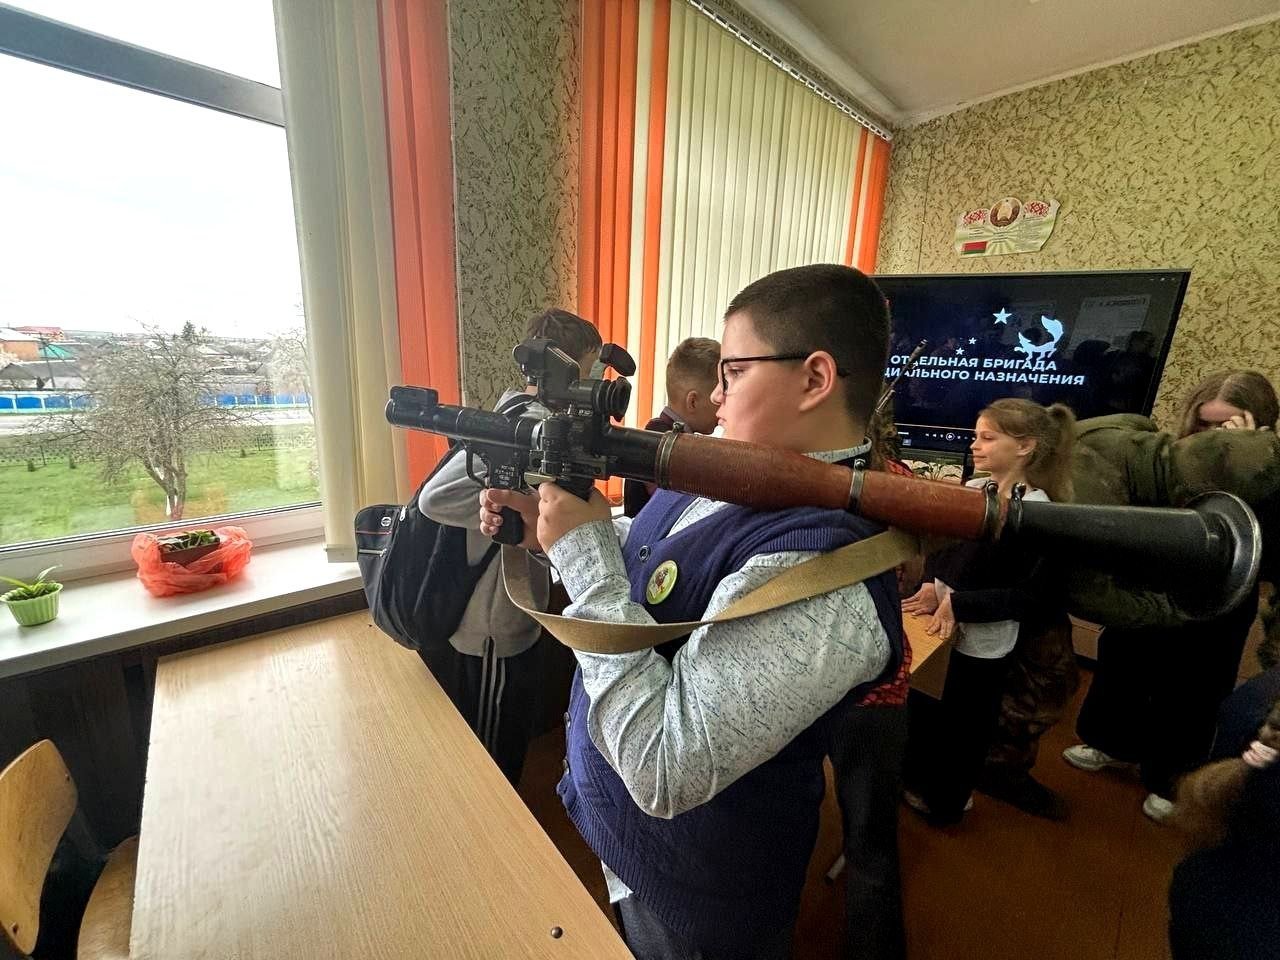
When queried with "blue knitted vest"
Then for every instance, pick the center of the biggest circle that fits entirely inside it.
(730, 871)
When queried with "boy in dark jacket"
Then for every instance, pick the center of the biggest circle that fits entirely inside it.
(692, 370)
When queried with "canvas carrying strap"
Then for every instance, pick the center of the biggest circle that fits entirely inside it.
(830, 571)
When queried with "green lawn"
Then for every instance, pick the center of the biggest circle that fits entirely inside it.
(57, 501)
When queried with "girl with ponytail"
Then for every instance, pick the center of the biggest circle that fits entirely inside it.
(984, 597)
(1224, 903)
(1046, 433)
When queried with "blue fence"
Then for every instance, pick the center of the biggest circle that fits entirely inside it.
(260, 400)
(41, 401)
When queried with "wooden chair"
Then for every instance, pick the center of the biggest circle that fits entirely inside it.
(37, 801)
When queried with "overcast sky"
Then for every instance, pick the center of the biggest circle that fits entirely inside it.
(119, 207)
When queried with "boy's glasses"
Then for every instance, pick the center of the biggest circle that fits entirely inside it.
(767, 358)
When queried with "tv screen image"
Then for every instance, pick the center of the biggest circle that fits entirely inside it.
(1094, 341)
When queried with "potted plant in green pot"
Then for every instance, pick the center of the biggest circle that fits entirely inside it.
(32, 603)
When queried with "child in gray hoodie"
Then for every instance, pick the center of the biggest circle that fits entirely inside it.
(490, 669)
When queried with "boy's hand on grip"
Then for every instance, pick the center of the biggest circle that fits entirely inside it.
(525, 506)
(561, 511)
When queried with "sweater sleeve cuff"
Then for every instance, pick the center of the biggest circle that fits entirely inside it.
(963, 610)
(587, 555)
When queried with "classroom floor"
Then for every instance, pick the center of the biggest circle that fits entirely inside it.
(1001, 886)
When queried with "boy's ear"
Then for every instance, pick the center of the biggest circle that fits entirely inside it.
(821, 380)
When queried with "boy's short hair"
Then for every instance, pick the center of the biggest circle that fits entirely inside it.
(694, 363)
(825, 306)
(569, 332)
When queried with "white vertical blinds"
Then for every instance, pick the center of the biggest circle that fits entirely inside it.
(639, 183)
(757, 175)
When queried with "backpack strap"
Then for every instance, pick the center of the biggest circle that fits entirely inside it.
(516, 403)
(823, 574)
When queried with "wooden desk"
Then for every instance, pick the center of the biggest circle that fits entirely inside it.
(313, 793)
(929, 656)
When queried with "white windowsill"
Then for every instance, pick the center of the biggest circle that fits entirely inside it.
(98, 555)
(112, 613)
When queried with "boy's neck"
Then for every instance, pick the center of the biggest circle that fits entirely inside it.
(680, 410)
(819, 437)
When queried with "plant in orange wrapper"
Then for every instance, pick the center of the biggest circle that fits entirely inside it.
(191, 560)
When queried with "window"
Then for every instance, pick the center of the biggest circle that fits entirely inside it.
(153, 359)
(234, 36)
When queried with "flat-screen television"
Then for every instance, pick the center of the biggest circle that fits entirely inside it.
(1094, 341)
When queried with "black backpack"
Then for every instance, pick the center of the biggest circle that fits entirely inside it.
(415, 571)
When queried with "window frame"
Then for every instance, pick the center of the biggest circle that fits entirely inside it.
(63, 46)
(66, 47)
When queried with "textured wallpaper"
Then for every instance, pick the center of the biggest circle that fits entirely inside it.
(516, 119)
(1172, 160)
(516, 126)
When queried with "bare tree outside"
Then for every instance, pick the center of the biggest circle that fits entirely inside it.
(288, 363)
(152, 402)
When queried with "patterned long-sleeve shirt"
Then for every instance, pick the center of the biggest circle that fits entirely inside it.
(736, 693)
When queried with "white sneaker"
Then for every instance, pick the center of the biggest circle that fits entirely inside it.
(1157, 808)
(1084, 757)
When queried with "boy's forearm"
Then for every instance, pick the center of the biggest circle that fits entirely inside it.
(677, 734)
(451, 497)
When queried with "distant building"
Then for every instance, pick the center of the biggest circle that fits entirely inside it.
(43, 333)
(59, 350)
(42, 374)
(98, 336)
(18, 344)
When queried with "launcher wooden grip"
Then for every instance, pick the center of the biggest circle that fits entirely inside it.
(924, 506)
(770, 479)
(754, 476)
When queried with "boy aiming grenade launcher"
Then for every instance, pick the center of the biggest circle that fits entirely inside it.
(1205, 556)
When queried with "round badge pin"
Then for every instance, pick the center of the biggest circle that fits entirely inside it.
(662, 582)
